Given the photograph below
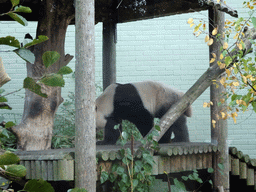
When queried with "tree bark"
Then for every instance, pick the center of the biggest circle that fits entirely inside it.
(219, 130)
(85, 159)
(198, 88)
(35, 130)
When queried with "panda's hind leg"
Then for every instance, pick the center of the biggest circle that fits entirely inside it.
(180, 130)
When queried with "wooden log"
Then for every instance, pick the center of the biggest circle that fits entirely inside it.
(28, 167)
(242, 170)
(112, 155)
(44, 170)
(234, 166)
(239, 154)
(229, 162)
(66, 170)
(50, 170)
(161, 161)
(245, 158)
(232, 150)
(177, 164)
(193, 161)
(250, 177)
(22, 163)
(208, 160)
(204, 162)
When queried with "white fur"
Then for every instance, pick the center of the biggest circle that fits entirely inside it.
(105, 105)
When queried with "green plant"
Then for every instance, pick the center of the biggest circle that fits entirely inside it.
(133, 174)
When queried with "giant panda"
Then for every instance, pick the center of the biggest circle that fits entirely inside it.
(139, 103)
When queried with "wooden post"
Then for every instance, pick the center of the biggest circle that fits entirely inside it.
(219, 130)
(85, 141)
(109, 53)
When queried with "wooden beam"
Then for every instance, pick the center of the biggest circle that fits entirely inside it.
(109, 53)
(219, 131)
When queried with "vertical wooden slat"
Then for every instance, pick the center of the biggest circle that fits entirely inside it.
(250, 176)
(44, 170)
(155, 165)
(22, 163)
(38, 170)
(242, 170)
(182, 162)
(33, 170)
(199, 161)
(55, 171)
(66, 170)
(50, 170)
(234, 166)
(28, 168)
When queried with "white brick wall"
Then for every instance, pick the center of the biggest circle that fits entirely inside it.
(162, 49)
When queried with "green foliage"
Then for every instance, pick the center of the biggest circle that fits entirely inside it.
(16, 170)
(65, 70)
(133, 174)
(50, 57)
(25, 54)
(9, 40)
(31, 84)
(41, 38)
(54, 80)
(9, 158)
(38, 186)
(18, 18)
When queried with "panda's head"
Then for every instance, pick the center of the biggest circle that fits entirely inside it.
(105, 106)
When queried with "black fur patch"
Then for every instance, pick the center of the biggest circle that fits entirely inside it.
(128, 105)
(36, 108)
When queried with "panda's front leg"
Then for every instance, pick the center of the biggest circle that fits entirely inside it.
(110, 134)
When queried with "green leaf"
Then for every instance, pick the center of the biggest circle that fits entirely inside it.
(9, 124)
(221, 166)
(210, 170)
(3, 99)
(38, 186)
(41, 38)
(5, 133)
(103, 177)
(135, 182)
(254, 22)
(16, 170)
(9, 158)
(50, 57)
(30, 84)
(120, 170)
(22, 9)
(18, 18)
(228, 60)
(254, 106)
(185, 178)
(179, 184)
(15, 2)
(54, 80)
(65, 70)
(9, 40)
(210, 181)
(26, 55)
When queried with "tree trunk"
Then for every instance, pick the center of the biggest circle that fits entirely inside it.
(219, 130)
(85, 158)
(35, 130)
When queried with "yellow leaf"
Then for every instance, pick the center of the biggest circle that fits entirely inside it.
(222, 80)
(211, 103)
(214, 55)
(214, 31)
(190, 20)
(225, 45)
(222, 115)
(206, 39)
(221, 56)
(192, 24)
(196, 29)
(236, 83)
(212, 60)
(205, 104)
(213, 123)
(221, 65)
(236, 36)
(239, 45)
(210, 42)
(228, 72)
(244, 79)
(198, 33)
(218, 1)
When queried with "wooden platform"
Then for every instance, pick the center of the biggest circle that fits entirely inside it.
(58, 164)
